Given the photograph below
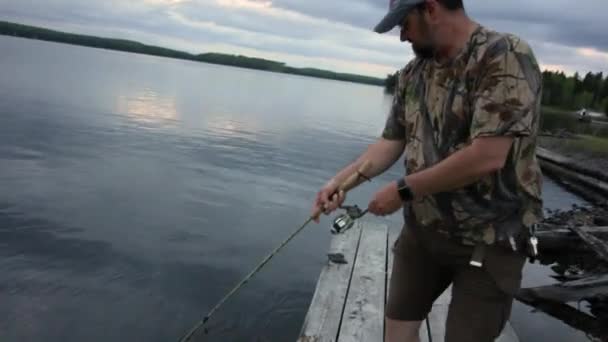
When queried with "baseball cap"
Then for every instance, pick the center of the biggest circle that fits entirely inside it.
(398, 9)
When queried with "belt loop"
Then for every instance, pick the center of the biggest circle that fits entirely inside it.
(479, 254)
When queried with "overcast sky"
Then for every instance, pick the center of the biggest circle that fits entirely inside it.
(330, 34)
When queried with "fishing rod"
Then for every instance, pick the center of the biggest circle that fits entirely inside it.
(351, 182)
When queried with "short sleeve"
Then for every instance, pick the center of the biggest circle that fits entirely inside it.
(508, 90)
(394, 128)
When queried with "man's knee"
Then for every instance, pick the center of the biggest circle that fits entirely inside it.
(402, 331)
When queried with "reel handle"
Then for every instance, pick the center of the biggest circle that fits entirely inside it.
(351, 182)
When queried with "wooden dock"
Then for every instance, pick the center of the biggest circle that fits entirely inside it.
(348, 304)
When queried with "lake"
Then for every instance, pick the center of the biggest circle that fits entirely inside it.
(136, 191)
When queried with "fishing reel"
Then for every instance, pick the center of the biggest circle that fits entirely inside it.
(346, 221)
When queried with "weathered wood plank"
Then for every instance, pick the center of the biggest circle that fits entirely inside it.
(437, 320)
(569, 175)
(325, 313)
(438, 317)
(508, 334)
(569, 291)
(349, 301)
(569, 163)
(445, 298)
(562, 239)
(598, 246)
(599, 231)
(363, 318)
(567, 314)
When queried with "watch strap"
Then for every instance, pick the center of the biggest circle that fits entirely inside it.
(405, 192)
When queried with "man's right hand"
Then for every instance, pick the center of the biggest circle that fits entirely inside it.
(328, 200)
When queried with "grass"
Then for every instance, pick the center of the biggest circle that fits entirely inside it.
(587, 145)
(596, 146)
(553, 119)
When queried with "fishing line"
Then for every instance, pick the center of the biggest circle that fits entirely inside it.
(350, 183)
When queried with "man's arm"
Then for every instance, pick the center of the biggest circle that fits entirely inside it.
(505, 108)
(483, 157)
(382, 154)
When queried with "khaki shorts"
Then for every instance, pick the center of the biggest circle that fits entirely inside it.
(426, 263)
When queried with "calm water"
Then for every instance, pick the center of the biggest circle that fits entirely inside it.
(135, 191)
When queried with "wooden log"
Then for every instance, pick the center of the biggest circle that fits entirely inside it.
(325, 313)
(563, 239)
(570, 291)
(570, 164)
(565, 313)
(576, 180)
(363, 318)
(598, 231)
(598, 246)
(589, 181)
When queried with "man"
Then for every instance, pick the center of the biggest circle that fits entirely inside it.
(466, 115)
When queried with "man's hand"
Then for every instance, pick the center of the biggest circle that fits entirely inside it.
(386, 201)
(328, 200)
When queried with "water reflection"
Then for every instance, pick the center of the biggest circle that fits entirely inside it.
(149, 107)
(115, 232)
(226, 126)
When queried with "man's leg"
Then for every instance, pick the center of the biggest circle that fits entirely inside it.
(482, 297)
(416, 282)
(402, 331)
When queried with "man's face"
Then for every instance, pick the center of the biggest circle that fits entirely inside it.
(416, 30)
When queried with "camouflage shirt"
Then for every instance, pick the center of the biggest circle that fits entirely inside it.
(492, 88)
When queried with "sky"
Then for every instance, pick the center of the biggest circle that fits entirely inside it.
(330, 34)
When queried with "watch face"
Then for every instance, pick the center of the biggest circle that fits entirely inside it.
(404, 191)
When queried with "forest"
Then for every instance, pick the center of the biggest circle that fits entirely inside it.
(25, 31)
(563, 92)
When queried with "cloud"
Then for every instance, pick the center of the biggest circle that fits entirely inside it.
(335, 34)
(580, 24)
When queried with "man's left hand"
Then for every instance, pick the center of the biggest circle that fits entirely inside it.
(386, 201)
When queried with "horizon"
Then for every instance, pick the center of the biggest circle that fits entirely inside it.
(193, 54)
(335, 36)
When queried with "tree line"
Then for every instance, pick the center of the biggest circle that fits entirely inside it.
(575, 92)
(25, 31)
(561, 91)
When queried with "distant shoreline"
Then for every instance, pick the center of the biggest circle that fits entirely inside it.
(38, 33)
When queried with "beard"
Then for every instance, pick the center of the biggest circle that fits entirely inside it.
(423, 51)
(424, 48)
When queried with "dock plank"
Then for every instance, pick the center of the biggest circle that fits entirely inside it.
(348, 304)
(508, 334)
(437, 320)
(363, 318)
(439, 314)
(325, 313)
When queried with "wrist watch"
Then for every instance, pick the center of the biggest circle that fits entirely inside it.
(405, 192)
